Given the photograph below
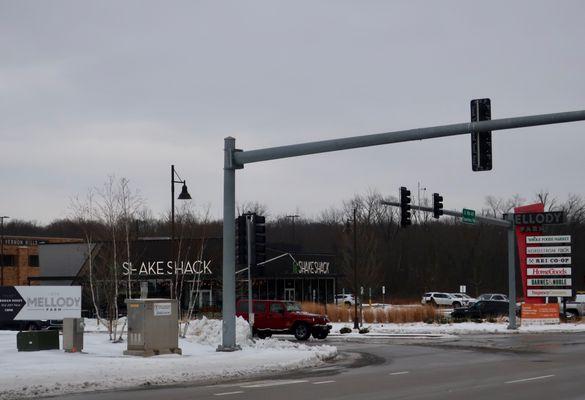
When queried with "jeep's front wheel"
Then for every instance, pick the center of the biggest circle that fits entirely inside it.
(302, 331)
(320, 334)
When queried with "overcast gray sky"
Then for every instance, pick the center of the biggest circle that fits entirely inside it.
(94, 88)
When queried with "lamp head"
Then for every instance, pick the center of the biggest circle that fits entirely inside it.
(184, 193)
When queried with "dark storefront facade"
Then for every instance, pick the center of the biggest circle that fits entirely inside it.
(294, 277)
(195, 275)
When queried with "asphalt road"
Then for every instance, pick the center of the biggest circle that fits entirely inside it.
(494, 367)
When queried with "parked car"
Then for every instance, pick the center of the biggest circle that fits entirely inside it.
(482, 309)
(493, 296)
(276, 316)
(441, 299)
(347, 299)
(466, 300)
(576, 308)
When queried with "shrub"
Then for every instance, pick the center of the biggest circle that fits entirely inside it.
(364, 330)
(392, 314)
(345, 330)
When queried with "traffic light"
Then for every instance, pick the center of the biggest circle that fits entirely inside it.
(405, 207)
(241, 241)
(259, 249)
(437, 205)
(481, 142)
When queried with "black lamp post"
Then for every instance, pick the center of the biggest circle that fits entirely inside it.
(2, 218)
(184, 195)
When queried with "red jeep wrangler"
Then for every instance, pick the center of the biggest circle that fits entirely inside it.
(277, 316)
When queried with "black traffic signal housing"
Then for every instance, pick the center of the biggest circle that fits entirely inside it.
(259, 242)
(481, 142)
(241, 241)
(437, 205)
(405, 217)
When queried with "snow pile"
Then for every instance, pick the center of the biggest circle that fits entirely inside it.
(209, 332)
(102, 365)
(462, 328)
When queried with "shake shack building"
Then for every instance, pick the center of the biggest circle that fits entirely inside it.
(190, 269)
(295, 277)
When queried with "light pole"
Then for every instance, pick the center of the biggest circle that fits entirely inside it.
(356, 324)
(184, 195)
(2, 218)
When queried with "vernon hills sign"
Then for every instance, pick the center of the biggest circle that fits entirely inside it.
(21, 303)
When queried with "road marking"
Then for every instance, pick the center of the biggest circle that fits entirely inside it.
(275, 383)
(322, 382)
(228, 393)
(531, 379)
(399, 373)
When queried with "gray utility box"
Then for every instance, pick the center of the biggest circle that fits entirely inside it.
(153, 327)
(73, 334)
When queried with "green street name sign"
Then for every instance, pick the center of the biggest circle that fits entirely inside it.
(468, 216)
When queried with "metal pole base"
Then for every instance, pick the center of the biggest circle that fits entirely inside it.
(221, 347)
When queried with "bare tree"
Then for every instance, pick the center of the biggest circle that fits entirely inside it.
(253, 207)
(83, 212)
(544, 197)
(129, 205)
(109, 213)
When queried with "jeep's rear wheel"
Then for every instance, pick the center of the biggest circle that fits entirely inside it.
(261, 335)
(302, 331)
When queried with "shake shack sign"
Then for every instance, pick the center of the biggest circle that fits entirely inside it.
(311, 267)
(160, 267)
(22, 303)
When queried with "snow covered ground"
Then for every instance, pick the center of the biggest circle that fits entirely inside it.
(102, 365)
(417, 328)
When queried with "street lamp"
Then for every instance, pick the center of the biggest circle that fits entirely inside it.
(2, 218)
(356, 324)
(184, 195)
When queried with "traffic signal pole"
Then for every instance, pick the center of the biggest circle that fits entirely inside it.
(236, 159)
(505, 223)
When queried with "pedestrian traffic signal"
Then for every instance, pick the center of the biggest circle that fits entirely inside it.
(241, 241)
(405, 207)
(481, 141)
(259, 249)
(437, 205)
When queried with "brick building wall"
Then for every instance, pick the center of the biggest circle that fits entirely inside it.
(21, 258)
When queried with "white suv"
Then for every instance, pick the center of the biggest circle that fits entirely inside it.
(346, 299)
(466, 300)
(441, 299)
